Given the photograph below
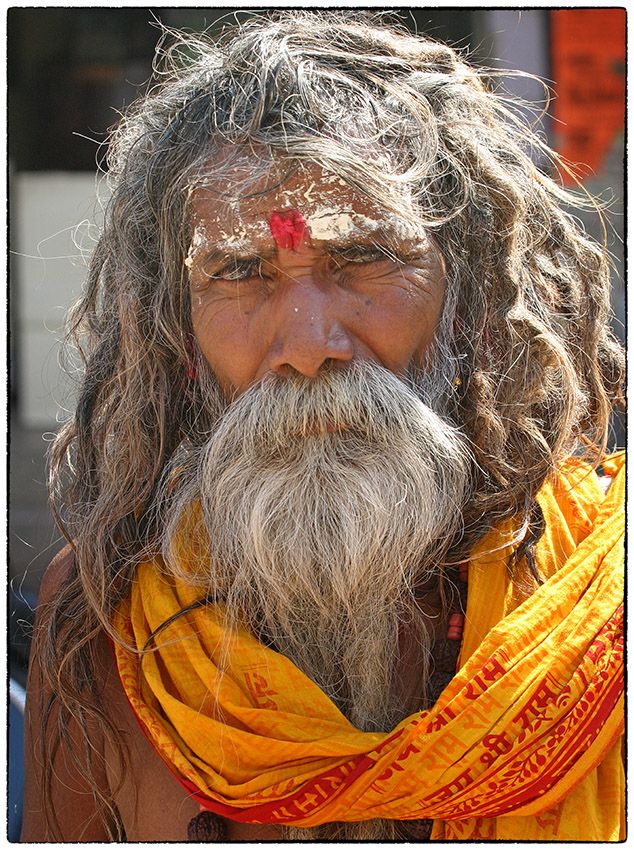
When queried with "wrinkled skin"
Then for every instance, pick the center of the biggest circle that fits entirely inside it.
(360, 285)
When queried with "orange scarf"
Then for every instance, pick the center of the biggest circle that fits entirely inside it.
(522, 744)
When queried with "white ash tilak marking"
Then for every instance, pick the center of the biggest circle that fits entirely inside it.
(327, 224)
(324, 224)
(199, 238)
(327, 219)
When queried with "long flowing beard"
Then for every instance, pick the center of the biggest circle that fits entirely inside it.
(326, 502)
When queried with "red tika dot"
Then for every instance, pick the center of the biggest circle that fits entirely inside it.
(287, 229)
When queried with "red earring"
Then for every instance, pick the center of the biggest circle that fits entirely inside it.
(192, 373)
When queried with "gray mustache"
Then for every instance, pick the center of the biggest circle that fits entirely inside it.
(361, 401)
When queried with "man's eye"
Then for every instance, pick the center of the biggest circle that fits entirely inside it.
(239, 270)
(364, 254)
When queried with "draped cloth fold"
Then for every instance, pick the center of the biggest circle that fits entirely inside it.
(530, 722)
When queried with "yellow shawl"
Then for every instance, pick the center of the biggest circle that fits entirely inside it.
(522, 744)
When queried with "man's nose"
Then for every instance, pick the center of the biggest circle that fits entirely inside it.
(309, 331)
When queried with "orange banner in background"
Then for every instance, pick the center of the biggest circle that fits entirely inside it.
(588, 67)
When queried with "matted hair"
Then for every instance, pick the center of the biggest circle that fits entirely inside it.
(384, 110)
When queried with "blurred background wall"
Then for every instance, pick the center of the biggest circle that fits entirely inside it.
(71, 69)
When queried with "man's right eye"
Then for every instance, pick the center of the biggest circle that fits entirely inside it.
(238, 270)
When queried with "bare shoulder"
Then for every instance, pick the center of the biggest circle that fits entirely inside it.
(145, 799)
(52, 762)
(55, 577)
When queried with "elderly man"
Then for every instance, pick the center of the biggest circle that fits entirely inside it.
(341, 563)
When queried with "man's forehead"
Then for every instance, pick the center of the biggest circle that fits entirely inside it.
(235, 204)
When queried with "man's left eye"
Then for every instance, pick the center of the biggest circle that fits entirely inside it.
(364, 255)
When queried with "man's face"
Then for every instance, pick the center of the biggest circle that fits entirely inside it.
(289, 273)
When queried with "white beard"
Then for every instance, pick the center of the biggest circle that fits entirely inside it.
(326, 501)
